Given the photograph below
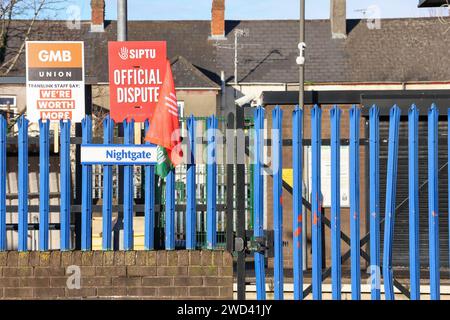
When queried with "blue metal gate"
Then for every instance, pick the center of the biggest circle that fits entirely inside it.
(253, 241)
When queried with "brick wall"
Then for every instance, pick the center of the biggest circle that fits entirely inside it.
(116, 275)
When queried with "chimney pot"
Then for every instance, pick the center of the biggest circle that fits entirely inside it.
(218, 19)
(338, 17)
(98, 15)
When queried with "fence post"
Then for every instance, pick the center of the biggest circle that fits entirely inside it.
(354, 204)
(191, 213)
(297, 189)
(433, 202)
(230, 160)
(23, 183)
(335, 118)
(374, 176)
(316, 118)
(86, 197)
(240, 202)
(108, 133)
(170, 210)
(258, 208)
(65, 174)
(211, 228)
(277, 142)
(128, 190)
(413, 172)
(149, 201)
(3, 137)
(391, 187)
(44, 189)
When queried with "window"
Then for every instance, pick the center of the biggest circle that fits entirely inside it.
(181, 108)
(181, 115)
(8, 104)
(7, 100)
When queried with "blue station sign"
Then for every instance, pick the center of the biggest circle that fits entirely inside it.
(114, 154)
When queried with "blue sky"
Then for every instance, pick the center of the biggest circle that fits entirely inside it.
(252, 9)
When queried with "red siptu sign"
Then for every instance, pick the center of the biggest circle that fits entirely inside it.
(136, 74)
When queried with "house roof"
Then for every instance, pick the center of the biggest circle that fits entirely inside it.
(186, 75)
(401, 50)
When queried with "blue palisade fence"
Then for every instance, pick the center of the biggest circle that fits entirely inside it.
(184, 188)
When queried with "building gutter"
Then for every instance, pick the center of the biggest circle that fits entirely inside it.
(196, 89)
(383, 98)
(292, 84)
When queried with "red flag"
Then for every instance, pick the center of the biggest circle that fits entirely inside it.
(164, 125)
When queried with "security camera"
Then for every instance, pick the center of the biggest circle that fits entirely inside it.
(301, 59)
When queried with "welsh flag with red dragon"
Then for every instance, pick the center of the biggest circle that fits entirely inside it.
(165, 127)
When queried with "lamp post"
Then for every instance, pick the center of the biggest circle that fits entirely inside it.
(122, 30)
(301, 58)
(122, 20)
(301, 102)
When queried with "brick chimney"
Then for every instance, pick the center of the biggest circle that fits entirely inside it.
(338, 17)
(98, 15)
(218, 19)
